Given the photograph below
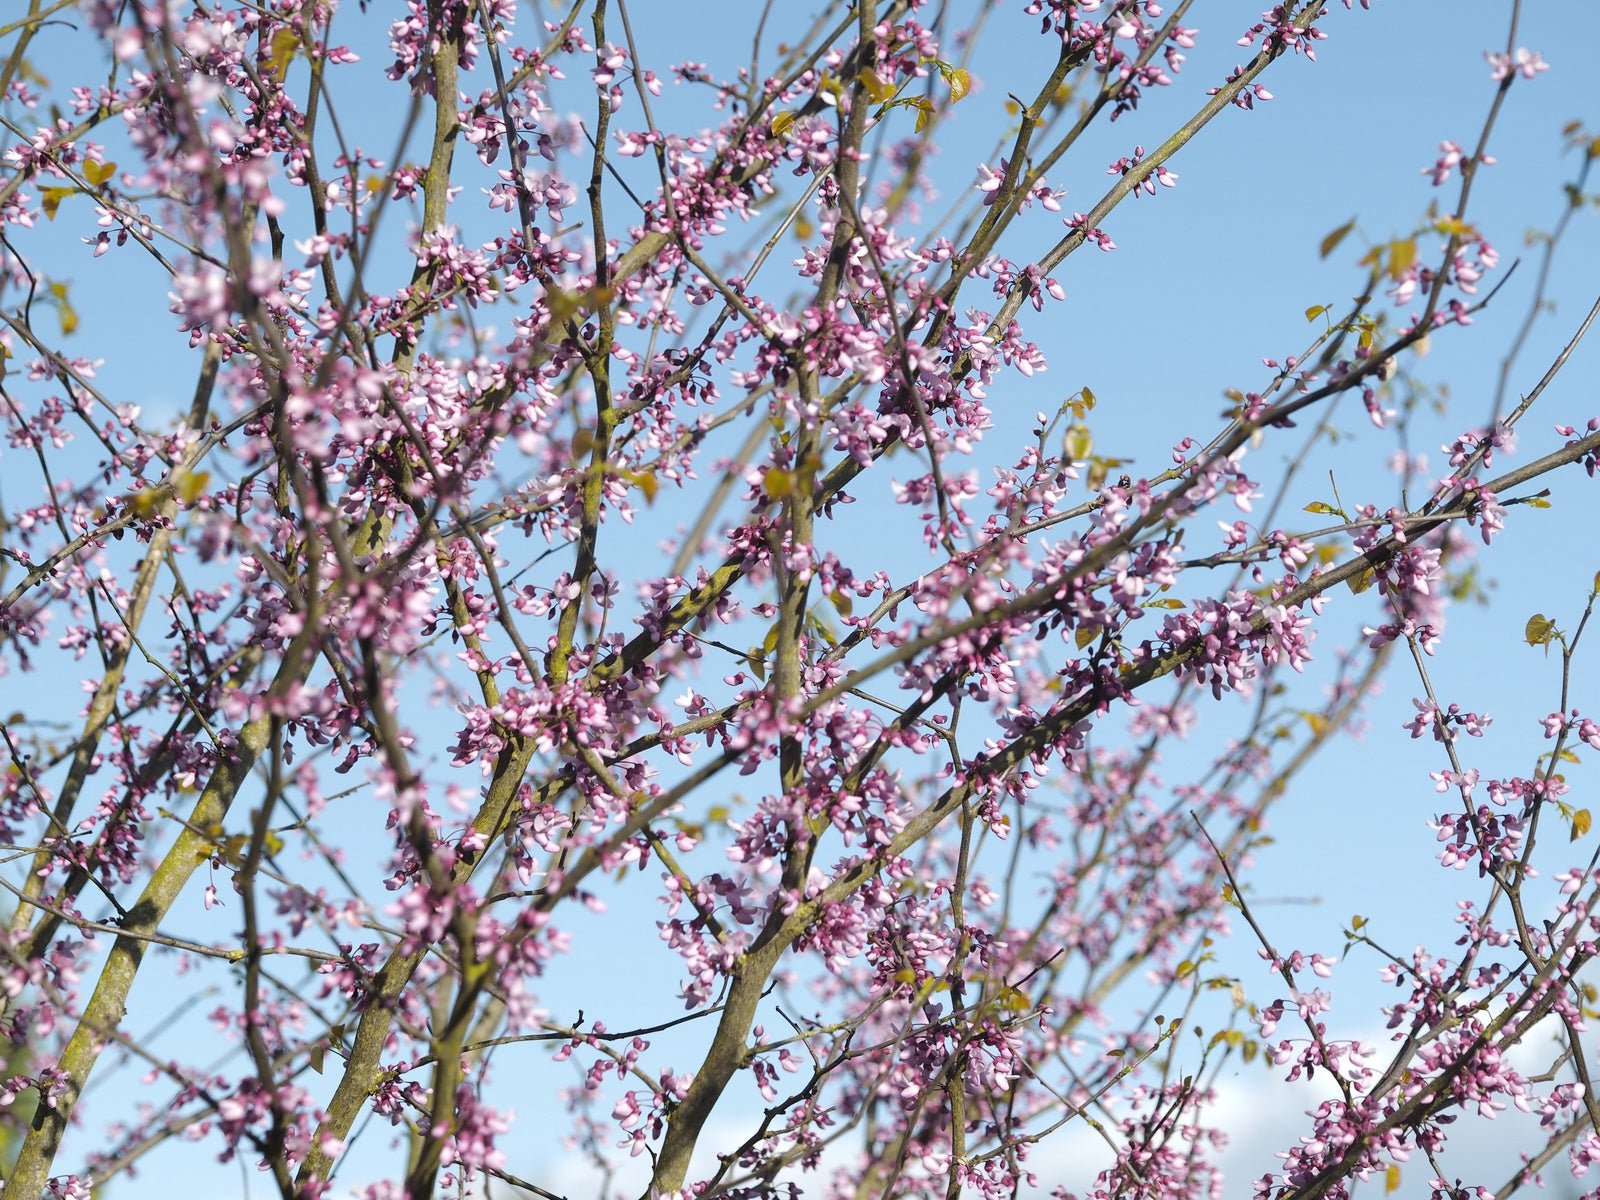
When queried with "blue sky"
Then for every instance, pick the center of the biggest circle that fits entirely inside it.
(1207, 279)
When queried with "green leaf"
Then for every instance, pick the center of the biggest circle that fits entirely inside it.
(1580, 823)
(1315, 311)
(1322, 508)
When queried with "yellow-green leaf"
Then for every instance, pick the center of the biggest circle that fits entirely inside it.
(1315, 311)
(779, 483)
(1322, 508)
(190, 484)
(646, 482)
(284, 44)
(1083, 635)
(1078, 443)
(1331, 242)
(99, 173)
(781, 122)
(960, 81)
(925, 111)
(874, 87)
(1580, 823)
(1452, 227)
(1391, 1178)
(1013, 1000)
(1402, 254)
(1539, 630)
(50, 199)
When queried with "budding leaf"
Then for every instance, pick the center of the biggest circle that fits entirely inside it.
(1580, 823)
(1539, 630)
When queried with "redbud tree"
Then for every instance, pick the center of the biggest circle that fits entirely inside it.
(613, 659)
